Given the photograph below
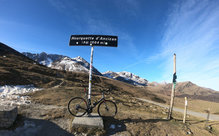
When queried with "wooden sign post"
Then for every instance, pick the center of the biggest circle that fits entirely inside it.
(185, 110)
(208, 116)
(173, 88)
(93, 40)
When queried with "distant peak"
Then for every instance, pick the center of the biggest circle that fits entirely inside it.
(43, 53)
(189, 83)
(79, 58)
(108, 71)
(66, 58)
(124, 72)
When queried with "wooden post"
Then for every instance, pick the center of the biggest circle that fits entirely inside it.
(185, 110)
(208, 116)
(173, 88)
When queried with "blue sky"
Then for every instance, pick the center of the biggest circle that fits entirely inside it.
(149, 33)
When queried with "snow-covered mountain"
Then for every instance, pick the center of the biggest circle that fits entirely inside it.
(61, 62)
(74, 64)
(126, 77)
(78, 64)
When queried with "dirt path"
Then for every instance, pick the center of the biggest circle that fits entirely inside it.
(193, 113)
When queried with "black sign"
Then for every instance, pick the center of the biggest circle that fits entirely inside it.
(93, 40)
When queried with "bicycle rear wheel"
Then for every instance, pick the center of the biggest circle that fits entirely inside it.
(77, 106)
(107, 108)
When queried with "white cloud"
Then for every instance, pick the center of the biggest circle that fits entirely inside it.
(192, 32)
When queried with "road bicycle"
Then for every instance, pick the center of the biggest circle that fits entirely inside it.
(78, 106)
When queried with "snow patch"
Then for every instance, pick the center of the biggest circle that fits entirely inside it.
(47, 62)
(10, 95)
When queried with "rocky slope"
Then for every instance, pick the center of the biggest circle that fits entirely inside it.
(126, 77)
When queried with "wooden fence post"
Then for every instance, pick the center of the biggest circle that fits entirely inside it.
(185, 110)
(208, 116)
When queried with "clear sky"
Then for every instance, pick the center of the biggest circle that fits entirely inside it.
(149, 32)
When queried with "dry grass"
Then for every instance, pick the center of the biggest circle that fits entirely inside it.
(134, 117)
(193, 104)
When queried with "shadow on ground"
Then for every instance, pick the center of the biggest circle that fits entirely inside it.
(113, 126)
(34, 127)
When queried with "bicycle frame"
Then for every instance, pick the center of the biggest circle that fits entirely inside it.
(90, 107)
(79, 106)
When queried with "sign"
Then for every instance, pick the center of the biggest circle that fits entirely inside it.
(93, 40)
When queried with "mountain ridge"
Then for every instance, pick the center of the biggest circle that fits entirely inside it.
(127, 77)
(61, 62)
(79, 64)
(185, 89)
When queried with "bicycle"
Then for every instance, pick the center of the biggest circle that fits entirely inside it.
(78, 106)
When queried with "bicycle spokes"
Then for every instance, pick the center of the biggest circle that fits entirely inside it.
(107, 108)
(77, 106)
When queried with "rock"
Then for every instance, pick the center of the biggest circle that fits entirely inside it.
(189, 133)
(163, 112)
(92, 121)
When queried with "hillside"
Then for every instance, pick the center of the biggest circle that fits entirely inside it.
(17, 69)
(185, 89)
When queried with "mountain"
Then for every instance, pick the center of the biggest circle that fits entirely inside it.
(126, 77)
(61, 62)
(44, 58)
(17, 69)
(185, 89)
(78, 64)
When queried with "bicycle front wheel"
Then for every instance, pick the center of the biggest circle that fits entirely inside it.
(77, 106)
(107, 108)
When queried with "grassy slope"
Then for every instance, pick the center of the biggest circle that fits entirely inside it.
(135, 117)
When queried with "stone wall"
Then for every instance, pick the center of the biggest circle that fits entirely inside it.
(8, 115)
